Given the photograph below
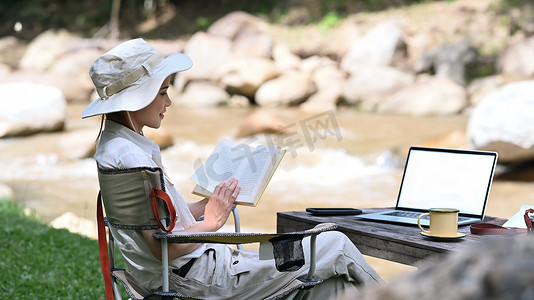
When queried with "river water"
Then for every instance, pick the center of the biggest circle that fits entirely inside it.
(357, 163)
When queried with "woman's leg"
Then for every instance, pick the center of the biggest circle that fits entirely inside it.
(231, 274)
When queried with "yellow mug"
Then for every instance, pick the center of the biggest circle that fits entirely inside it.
(443, 222)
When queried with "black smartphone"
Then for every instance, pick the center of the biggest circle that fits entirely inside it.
(334, 211)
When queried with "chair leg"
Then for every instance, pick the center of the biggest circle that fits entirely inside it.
(111, 251)
(165, 264)
(309, 277)
(237, 224)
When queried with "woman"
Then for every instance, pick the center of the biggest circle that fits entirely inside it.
(132, 81)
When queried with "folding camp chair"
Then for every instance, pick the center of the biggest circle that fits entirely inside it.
(126, 207)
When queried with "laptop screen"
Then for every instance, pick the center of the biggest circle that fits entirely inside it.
(447, 178)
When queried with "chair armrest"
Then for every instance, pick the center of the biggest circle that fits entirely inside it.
(237, 237)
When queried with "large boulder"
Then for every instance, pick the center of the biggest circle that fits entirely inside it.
(481, 87)
(284, 59)
(61, 59)
(209, 53)
(291, 88)
(11, 51)
(249, 34)
(75, 224)
(518, 59)
(49, 46)
(428, 96)
(261, 122)
(70, 73)
(371, 84)
(6, 193)
(4, 70)
(245, 75)
(339, 42)
(380, 46)
(449, 60)
(199, 94)
(27, 108)
(329, 81)
(502, 122)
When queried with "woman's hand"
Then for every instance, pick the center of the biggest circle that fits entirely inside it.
(220, 203)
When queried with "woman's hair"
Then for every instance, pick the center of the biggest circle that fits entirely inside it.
(118, 115)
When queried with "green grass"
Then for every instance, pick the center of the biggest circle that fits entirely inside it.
(40, 262)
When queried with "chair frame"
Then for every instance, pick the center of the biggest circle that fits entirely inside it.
(306, 281)
(152, 193)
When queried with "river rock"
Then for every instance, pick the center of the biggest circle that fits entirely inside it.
(160, 136)
(245, 75)
(4, 70)
(338, 44)
(11, 51)
(328, 77)
(75, 144)
(28, 108)
(207, 52)
(284, 59)
(249, 34)
(322, 100)
(291, 88)
(314, 62)
(449, 60)
(497, 268)
(329, 81)
(371, 84)
(518, 59)
(200, 94)
(168, 47)
(260, 122)
(70, 73)
(238, 101)
(6, 193)
(428, 96)
(378, 47)
(75, 224)
(50, 45)
(481, 87)
(502, 122)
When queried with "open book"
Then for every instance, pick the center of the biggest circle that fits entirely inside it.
(252, 166)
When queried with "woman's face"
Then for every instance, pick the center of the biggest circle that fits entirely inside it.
(153, 114)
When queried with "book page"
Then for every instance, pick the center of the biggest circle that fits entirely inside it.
(229, 159)
(271, 168)
(220, 166)
(253, 167)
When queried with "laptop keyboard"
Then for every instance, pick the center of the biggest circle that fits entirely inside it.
(406, 214)
(415, 215)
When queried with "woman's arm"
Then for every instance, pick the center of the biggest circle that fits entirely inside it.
(197, 208)
(216, 211)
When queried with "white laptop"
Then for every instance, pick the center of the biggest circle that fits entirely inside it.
(442, 178)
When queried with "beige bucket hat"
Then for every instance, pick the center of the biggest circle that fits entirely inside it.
(129, 76)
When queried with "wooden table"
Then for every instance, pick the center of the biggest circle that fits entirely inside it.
(399, 243)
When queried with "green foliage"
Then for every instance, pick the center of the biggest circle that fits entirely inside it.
(40, 262)
(504, 6)
(203, 22)
(330, 20)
